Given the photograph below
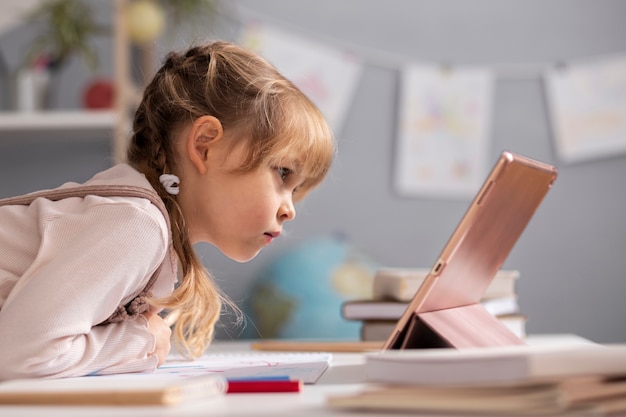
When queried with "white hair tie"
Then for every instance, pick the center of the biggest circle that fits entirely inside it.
(170, 182)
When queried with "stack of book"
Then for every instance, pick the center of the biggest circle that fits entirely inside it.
(393, 288)
(584, 380)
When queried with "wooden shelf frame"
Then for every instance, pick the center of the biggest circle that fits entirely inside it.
(58, 120)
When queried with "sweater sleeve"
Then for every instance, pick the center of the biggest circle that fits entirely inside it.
(91, 258)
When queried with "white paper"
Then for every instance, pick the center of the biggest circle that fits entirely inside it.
(443, 131)
(588, 108)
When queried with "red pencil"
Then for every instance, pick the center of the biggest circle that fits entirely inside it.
(249, 386)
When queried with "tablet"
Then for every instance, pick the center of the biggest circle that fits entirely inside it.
(445, 310)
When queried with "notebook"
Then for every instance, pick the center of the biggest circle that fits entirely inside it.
(445, 310)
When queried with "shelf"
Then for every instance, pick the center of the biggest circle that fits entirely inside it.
(75, 123)
(58, 120)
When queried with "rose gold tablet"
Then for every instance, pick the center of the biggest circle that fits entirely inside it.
(445, 311)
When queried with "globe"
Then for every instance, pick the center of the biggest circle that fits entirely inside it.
(299, 294)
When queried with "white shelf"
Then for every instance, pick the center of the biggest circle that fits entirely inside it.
(58, 120)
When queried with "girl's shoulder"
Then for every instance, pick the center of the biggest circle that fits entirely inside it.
(120, 174)
(120, 184)
(121, 191)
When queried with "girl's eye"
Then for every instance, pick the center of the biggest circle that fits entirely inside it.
(284, 172)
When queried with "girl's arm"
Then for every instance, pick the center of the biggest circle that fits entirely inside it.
(92, 257)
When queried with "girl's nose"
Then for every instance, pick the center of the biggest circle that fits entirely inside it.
(287, 211)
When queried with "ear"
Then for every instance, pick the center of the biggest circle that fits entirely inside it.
(204, 132)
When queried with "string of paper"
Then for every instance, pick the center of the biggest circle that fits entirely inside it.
(445, 114)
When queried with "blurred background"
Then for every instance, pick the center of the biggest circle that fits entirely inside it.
(65, 109)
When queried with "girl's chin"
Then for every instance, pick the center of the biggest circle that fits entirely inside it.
(241, 257)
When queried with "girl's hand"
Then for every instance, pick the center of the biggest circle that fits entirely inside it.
(162, 333)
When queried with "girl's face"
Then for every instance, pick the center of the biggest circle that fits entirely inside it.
(239, 213)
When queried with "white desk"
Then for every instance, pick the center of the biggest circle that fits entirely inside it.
(345, 375)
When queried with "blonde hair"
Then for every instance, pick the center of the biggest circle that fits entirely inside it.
(252, 100)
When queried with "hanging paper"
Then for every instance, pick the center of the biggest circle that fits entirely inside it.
(443, 133)
(588, 109)
(328, 76)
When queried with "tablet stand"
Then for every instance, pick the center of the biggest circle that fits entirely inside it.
(458, 327)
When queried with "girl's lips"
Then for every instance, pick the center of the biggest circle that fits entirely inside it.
(269, 236)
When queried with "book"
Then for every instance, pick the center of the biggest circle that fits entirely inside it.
(370, 309)
(401, 284)
(111, 390)
(505, 364)
(380, 330)
(585, 396)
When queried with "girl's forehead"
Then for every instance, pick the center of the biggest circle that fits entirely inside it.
(298, 159)
(291, 151)
(293, 155)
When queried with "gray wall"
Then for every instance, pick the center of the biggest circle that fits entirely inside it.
(571, 256)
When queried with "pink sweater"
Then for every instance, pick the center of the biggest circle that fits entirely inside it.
(65, 266)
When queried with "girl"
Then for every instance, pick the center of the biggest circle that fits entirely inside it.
(222, 148)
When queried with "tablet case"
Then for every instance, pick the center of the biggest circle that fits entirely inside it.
(446, 310)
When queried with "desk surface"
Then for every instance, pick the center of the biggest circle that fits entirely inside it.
(345, 375)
